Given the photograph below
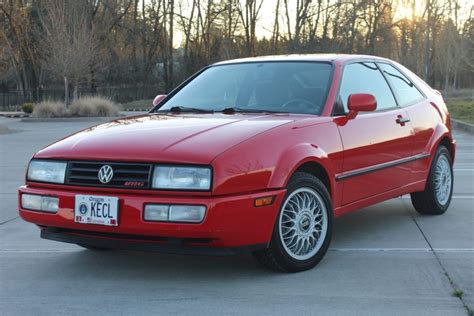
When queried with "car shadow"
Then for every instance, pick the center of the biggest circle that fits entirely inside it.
(385, 225)
(135, 265)
(367, 224)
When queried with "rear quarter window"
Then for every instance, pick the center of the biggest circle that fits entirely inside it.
(406, 92)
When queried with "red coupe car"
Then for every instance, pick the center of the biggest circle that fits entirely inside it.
(256, 155)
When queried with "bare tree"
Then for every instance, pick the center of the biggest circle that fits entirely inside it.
(276, 28)
(68, 46)
(17, 34)
(45, 41)
(249, 13)
(170, 64)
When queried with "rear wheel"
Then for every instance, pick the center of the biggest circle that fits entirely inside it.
(303, 228)
(436, 197)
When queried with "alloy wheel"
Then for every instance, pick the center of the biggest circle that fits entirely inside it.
(303, 223)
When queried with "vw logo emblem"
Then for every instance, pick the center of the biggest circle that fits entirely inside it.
(106, 173)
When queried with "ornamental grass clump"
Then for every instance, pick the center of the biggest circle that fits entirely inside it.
(48, 109)
(93, 106)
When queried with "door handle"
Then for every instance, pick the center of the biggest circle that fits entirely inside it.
(402, 120)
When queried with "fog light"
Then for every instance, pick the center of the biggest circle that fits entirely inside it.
(156, 212)
(40, 203)
(187, 213)
(174, 213)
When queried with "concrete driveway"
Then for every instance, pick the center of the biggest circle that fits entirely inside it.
(385, 259)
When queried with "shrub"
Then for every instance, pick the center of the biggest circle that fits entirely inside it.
(93, 106)
(49, 109)
(27, 108)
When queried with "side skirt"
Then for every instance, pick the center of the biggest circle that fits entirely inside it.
(413, 187)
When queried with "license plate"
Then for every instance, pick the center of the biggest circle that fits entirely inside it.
(99, 210)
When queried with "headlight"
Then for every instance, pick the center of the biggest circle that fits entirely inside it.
(182, 178)
(46, 171)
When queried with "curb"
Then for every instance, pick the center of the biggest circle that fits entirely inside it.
(135, 110)
(68, 119)
(14, 114)
(466, 127)
(81, 119)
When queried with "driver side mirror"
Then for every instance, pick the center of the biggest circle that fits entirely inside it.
(158, 99)
(360, 102)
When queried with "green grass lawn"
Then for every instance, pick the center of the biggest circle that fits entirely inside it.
(462, 110)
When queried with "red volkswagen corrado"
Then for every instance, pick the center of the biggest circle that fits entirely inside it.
(254, 155)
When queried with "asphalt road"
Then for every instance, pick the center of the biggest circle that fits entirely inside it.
(385, 259)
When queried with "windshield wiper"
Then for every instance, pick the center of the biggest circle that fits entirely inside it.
(183, 109)
(232, 110)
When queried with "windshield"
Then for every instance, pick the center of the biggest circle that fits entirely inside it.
(288, 87)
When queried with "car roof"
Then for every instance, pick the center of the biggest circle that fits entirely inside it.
(303, 57)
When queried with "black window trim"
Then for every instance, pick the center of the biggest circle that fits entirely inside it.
(394, 92)
(362, 60)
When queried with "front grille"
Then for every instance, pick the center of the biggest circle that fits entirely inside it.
(125, 175)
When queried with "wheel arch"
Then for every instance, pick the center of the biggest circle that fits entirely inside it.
(314, 168)
(448, 143)
(442, 136)
(304, 158)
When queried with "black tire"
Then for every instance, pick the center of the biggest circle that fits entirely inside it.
(427, 202)
(94, 248)
(276, 257)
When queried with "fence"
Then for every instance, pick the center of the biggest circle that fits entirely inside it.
(12, 100)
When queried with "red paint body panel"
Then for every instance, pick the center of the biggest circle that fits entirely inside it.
(196, 139)
(269, 159)
(255, 155)
(371, 139)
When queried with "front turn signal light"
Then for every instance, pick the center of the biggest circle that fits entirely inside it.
(264, 201)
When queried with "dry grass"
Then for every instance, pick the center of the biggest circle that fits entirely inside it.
(49, 109)
(93, 106)
(87, 106)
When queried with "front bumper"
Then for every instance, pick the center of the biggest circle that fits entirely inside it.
(231, 223)
(142, 243)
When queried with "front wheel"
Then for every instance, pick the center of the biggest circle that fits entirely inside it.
(436, 197)
(303, 228)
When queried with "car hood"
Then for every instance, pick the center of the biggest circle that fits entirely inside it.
(169, 138)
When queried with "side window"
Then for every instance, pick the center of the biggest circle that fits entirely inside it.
(405, 90)
(365, 77)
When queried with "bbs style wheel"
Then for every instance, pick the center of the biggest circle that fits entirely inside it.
(436, 197)
(303, 228)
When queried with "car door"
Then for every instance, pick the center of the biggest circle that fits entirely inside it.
(421, 112)
(375, 143)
